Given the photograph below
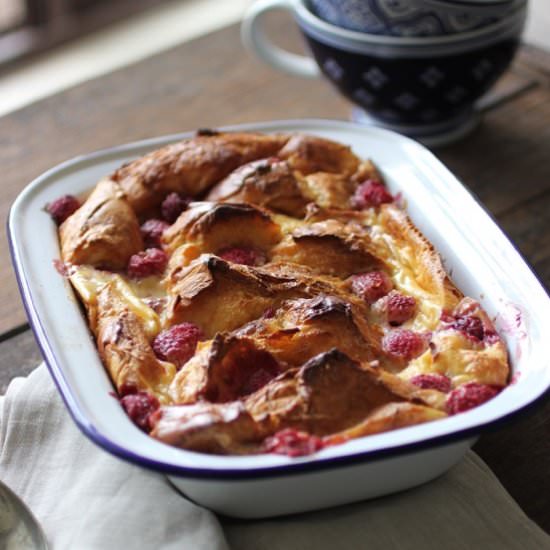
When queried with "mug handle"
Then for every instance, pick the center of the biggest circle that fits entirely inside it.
(254, 38)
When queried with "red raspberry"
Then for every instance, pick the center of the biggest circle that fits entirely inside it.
(242, 255)
(152, 231)
(148, 262)
(371, 286)
(399, 308)
(173, 205)
(470, 326)
(371, 193)
(139, 406)
(432, 382)
(404, 344)
(178, 343)
(293, 443)
(470, 395)
(60, 209)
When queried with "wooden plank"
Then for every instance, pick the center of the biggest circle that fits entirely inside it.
(504, 162)
(528, 227)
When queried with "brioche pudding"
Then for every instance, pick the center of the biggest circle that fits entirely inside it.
(254, 293)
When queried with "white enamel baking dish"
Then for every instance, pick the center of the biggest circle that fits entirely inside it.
(483, 263)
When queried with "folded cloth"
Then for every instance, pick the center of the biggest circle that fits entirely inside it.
(88, 499)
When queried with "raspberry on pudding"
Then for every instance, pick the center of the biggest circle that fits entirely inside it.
(148, 262)
(371, 193)
(438, 382)
(291, 442)
(173, 205)
(371, 286)
(152, 231)
(404, 344)
(242, 255)
(469, 396)
(60, 209)
(178, 343)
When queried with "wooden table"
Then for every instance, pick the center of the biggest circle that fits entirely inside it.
(211, 82)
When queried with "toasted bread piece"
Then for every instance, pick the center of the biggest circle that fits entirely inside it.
(329, 393)
(211, 227)
(415, 263)
(309, 154)
(329, 247)
(103, 232)
(269, 183)
(385, 418)
(329, 190)
(125, 349)
(191, 166)
(224, 369)
(302, 328)
(219, 296)
(208, 428)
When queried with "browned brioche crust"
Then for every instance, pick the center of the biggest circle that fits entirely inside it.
(304, 327)
(328, 394)
(221, 369)
(225, 428)
(191, 166)
(103, 232)
(268, 183)
(329, 247)
(310, 154)
(212, 226)
(220, 296)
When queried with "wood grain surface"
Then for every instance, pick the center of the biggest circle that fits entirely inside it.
(212, 82)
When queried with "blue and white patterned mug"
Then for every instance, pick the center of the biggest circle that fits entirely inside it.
(419, 86)
(412, 17)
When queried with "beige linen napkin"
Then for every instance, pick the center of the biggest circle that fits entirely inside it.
(87, 499)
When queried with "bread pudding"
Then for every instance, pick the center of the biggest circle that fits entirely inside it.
(254, 293)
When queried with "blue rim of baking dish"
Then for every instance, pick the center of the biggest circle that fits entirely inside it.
(114, 448)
